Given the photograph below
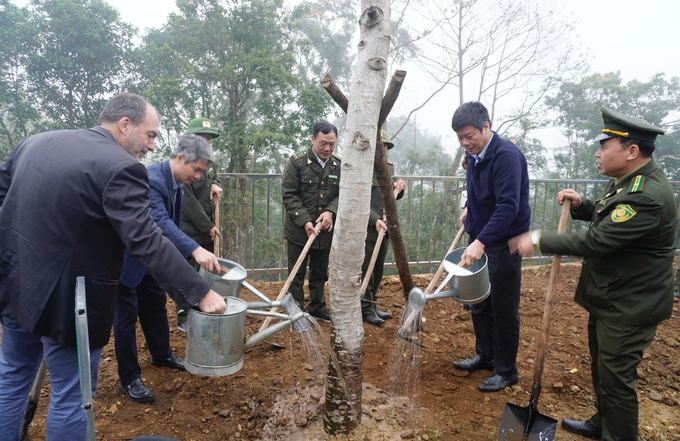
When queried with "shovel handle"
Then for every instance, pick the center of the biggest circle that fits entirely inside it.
(293, 272)
(371, 265)
(440, 270)
(547, 311)
(216, 201)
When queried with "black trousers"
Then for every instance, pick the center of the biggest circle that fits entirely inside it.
(318, 276)
(146, 301)
(496, 319)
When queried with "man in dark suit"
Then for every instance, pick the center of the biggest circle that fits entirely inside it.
(72, 202)
(139, 294)
(626, 282)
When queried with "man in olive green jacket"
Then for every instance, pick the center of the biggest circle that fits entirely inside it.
(369, 309)
(626, 282)
(310, 188)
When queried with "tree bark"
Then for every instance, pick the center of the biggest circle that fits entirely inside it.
(343, 382)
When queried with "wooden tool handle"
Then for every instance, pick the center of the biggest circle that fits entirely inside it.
(440, 270)
(371, 265)
(294, 271)
(547, 311)
(216, 239)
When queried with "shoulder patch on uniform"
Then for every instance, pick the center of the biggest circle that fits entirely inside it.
(622, 213)
(636, 184)
(299, 155)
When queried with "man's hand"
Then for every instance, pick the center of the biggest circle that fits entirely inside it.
(309, 229)
(215, 191)
(472, 253)
(463, 216)
(212, 303)
(214, 231)
(380, 225)
(522, 244)
(326, 219)
(570, 194)
(400, 185)
(206, 259)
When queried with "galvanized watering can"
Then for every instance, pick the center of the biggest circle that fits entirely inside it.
(466, 285)
(216, 343)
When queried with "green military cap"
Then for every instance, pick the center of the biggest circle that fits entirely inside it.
(202, 126)
(386, 139)
(618, 124)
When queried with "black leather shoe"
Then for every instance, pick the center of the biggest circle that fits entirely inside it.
(174, 362)
(373, 319)
(474, 364)
(497, 382)
(322, 315)
(137, 391)
(383, 314)
(583, 428)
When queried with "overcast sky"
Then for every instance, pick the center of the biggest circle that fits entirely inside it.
(637, 38)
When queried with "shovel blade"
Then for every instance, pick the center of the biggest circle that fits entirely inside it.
(526, 424)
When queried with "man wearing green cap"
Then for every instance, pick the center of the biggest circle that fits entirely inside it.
(626, 282)
(198, 215)
(369, 308)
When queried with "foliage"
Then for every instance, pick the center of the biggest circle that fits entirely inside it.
(578, 107)
(207, 61)
(82, 50)
(417, 152)
(18, 39)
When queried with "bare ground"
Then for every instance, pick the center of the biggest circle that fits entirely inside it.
(279, 392)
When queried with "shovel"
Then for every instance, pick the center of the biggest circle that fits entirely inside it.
(527, 423)
(294, 271)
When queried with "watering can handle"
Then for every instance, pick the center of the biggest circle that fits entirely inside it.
(291, 276)
(440, 270)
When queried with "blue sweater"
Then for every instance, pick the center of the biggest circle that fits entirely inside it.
(498, 193)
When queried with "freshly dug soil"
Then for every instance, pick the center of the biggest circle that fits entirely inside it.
(279, 393)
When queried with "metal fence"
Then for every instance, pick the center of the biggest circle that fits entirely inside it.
(251, 218)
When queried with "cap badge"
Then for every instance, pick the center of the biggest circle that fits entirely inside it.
(206, 124)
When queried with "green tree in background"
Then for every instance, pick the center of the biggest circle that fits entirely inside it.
(17, 40)
(81, 52)
(578, 106)
(233, 62)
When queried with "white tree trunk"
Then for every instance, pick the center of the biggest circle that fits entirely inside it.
(343, 398)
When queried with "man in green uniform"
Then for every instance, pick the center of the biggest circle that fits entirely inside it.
(198, 214)
(369, 308)
(626, 282)
(310, 187)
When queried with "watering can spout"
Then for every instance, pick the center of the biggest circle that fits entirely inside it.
(265, 334)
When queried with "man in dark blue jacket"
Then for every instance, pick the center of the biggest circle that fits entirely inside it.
(497, 209)
(139, 294)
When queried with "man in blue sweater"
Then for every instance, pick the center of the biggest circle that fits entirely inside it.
(497, 209)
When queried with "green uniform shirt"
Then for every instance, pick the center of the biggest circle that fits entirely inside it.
(309, 190)
(198, 213)
(627, 274)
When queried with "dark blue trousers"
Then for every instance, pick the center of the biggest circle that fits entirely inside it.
(146, 301)
(496, 319)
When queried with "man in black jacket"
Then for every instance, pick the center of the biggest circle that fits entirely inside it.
(72, 202)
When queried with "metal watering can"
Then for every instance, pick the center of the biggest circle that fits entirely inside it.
(216, 343)
(466, 285)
